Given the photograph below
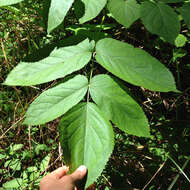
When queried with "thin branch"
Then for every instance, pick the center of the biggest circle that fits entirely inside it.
(154, 175)
(2, 136)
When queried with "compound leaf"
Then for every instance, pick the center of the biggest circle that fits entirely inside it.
(9, 2)
(118, 106)
(125, 12)
(134, 65)
(60, 63)
(185, 12)
(87, 139)
(160, 19)
(56, 101)
(92, 9)
(57, 12)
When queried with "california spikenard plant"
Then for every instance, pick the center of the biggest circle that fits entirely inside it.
(89, 103)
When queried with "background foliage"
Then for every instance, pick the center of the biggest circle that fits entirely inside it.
(136, 162)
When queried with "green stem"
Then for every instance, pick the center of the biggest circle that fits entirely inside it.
(179, 168)
(177, 176)
(178, 75)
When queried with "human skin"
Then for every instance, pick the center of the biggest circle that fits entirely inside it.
(59, 180)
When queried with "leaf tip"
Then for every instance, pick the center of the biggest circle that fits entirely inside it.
(81, 21)
(4, 83)
(174, 89)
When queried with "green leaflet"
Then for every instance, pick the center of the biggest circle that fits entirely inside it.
(172, 1)
(87, 139)
(180, 41)
(9, 2)
(125, 12)
(14, 183)
(160, 19)
(56, 101)
(185, 12)
(134, 65)
(92, 9)
(118, 106)
(44, 164)
(59, 63)
(57, 12)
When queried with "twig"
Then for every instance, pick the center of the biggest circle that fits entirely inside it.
(154, 176)
(106, 180)
(19, 100)
(4, 53)
(60, 153)
(2, 136)
(29, 138)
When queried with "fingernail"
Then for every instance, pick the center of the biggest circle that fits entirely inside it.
(82, 168)
(65, 168)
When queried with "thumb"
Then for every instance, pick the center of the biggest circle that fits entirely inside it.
(79, 177)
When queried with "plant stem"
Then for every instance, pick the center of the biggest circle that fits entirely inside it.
(179, 168)
(154, 176)
(177, 176)
(178, 75)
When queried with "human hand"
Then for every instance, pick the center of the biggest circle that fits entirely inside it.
(58, 180)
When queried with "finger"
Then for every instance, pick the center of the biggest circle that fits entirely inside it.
(60, 172)
(79, 177)
(79, 173)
